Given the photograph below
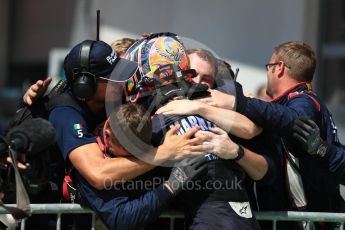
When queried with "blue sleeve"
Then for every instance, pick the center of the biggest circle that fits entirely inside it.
(21, 103)
(334, 161)
(72, 130)
(271, 173)
(118, 211)
(279, 118)
(138, 213)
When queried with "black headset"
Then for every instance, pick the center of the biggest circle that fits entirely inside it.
(83, 82)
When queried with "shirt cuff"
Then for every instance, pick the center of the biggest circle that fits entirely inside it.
(163, 194)
(241, 100)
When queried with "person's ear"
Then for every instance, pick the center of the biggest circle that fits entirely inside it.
(280, 69)
(107, 133)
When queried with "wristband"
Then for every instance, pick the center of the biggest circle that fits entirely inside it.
(240, 153)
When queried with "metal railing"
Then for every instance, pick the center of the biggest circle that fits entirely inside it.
(57, 209)
(309, 217)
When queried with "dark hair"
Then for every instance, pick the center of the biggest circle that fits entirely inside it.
(224, 71)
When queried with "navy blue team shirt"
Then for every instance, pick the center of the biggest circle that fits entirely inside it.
(118, 208)
(321, 183)
(221, 181)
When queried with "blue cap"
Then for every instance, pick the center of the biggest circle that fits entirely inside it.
(103, 61)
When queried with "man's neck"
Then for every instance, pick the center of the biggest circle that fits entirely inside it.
(285, 85)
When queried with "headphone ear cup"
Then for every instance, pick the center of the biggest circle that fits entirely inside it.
(84, 86)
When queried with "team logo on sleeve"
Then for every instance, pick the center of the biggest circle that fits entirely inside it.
(79, 130)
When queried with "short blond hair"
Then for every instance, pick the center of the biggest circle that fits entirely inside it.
(121, 46)
(206, 56)
(128, 118)
(299, 58)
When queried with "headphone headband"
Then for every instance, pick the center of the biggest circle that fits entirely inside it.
(85, 55)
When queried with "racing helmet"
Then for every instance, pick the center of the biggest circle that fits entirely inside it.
(163, 69)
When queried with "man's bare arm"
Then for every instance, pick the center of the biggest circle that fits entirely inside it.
(232, 122)
(100, 173)
(253, 164)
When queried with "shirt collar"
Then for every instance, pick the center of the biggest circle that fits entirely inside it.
(297, 87)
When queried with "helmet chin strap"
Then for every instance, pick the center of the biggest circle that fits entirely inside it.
(168, 82)
(183, 89)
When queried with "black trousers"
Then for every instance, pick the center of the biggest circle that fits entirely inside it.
(214, 215)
